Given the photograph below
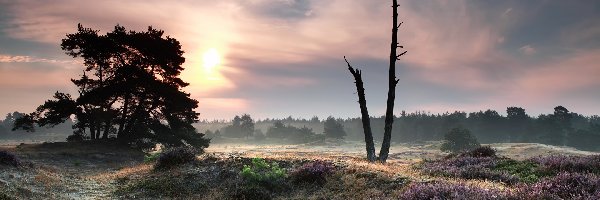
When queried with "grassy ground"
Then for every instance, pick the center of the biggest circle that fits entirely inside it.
(105, 171)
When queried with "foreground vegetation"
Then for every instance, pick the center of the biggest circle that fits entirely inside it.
(87, 171)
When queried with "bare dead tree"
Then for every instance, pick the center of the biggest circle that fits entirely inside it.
(366, 120)
(393, 81)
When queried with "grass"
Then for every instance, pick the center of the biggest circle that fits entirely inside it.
(162, 186)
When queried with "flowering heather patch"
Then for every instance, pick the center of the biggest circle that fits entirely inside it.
(563, 186)
(468, 168)
(562, 163)
(483, 151)
(7, 158)
(175, 156)
(441, 191)
(313, 172)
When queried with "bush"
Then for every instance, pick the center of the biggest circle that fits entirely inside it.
(525, 171)
(483, 151)
(151, 157)
(263, 174)
(448, 191)
(175, 156)
(9, 159)
(459, 139)
(313, 172)
(76, 137)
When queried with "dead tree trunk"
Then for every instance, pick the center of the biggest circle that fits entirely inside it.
(389, 113)
(366, 120)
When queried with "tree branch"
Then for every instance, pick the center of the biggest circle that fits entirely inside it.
(398, 56)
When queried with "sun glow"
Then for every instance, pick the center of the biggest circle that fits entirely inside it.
(211, 59)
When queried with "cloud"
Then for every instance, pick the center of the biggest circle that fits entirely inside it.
(527, 50)
(30, 59)
(279, 9)
(221, 108)
(505, 13)
(469, 50)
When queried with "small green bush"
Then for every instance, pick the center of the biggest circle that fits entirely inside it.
(459, 140)
(175, 156)
(261, 173)
(151, 157)
(526, 171)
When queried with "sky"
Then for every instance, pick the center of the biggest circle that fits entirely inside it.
(279, 58)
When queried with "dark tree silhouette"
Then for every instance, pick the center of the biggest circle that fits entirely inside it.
(366, 121)
(392, 82)
(459, 139)
(240, 127)
(333, 129)
(130, 90)
(247, 125)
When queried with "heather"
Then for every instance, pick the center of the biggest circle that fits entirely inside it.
(467, 166)
(313, 172)
(7, 158)
(564, 163)
(440, 190)
(175, 156)
(565, 185)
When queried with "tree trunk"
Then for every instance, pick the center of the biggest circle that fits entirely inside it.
(389, 113)
(366, 120)
(92, 131)
(107, 127)
(392, 82)
(123, 115)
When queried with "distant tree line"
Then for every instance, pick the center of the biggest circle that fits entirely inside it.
(561, 127)
(58, 132)
(279, 130)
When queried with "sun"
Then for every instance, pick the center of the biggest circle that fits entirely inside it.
(211, 59)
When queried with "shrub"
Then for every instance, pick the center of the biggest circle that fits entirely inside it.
(313, 172)
(483, 151)
(440, 191)
(7, 158)
(175, 156)
(459, 139)
(261, 173)
(76, 137)
(563, 186)
(151, 157)
(525, 171)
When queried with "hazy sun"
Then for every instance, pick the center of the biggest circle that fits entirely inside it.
(211, 59)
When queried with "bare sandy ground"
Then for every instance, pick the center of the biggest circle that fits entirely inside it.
(399, 153)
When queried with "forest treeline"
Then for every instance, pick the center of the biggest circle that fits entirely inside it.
(56, 133)
(561, 127)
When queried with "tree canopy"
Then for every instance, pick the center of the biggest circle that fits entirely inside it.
(333, 129)
(129, 90)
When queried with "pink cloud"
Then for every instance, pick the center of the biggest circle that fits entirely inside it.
(30, 59)
(221, 108)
